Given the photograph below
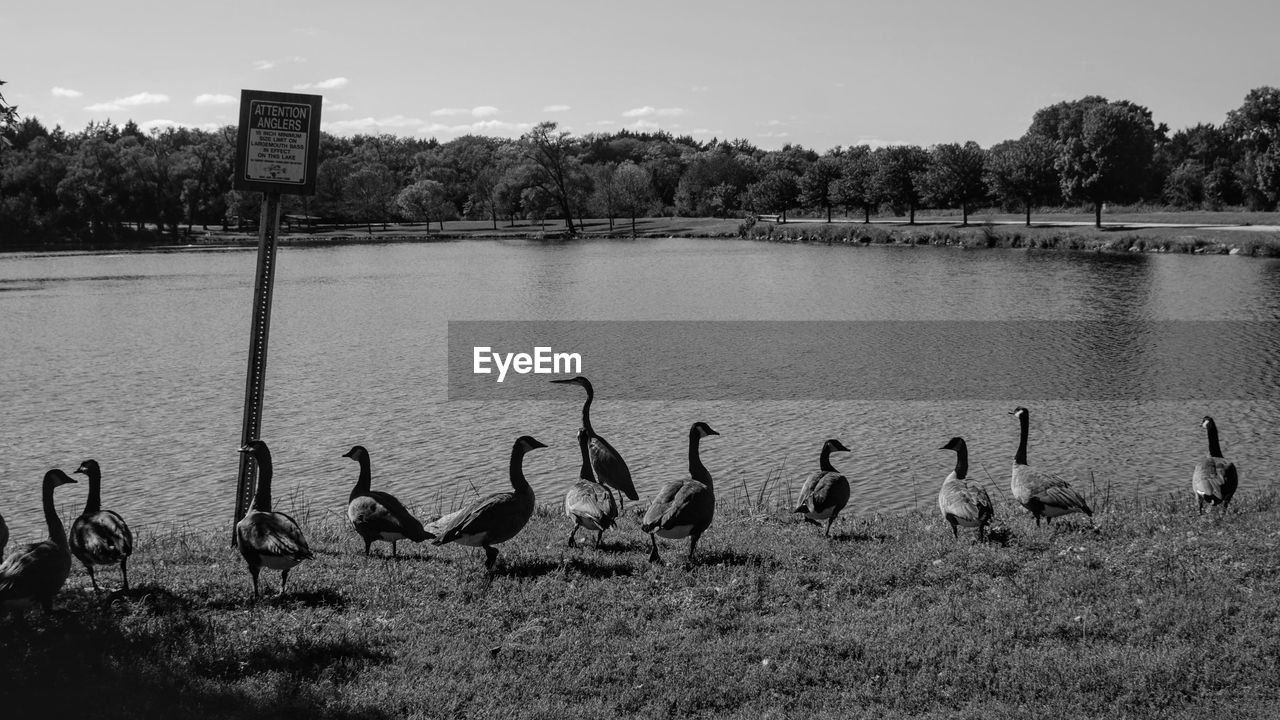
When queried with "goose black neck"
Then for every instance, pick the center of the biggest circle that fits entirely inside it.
(56, 533)
(586, 410)
(1024, 421)
(962, 461)
(517, 470)
(585, 473)
(94, 502)
(1215, 450)
(365, 481)
(262, 499)
(824, 461)
(697, 470)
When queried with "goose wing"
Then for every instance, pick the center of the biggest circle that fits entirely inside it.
(610, 468)
(680, 503)
(102, 538)
(380, 512)
(1214, 478)
(38, 569)
(1054, 492)
(589, 503)
(274, 534)
(964, 501)
(437, 527)
(497, 517)
(822, 490)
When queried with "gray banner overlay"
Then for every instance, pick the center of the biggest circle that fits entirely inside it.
(889, 360)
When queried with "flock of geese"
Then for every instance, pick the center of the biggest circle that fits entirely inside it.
(33, 575)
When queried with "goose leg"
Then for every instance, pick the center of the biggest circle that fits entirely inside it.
(367, 544)
(693, 544)
(829, 521)
(124, 571)
(92, 578)
(284, 579)
(653, 554)
(599, 537)
(955, 533)
(253, 570)
(490, 556)
(573, 532)
(393, 549)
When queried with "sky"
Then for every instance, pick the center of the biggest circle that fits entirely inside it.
(815, 73)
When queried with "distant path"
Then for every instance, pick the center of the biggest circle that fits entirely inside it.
(1054, 223)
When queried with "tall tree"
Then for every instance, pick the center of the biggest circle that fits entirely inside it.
(635, 190)
(1255, 125)
(856, 185)
(899, 176)
(954, 176)
(424, 200)
(818, 181)
(551, 153)
(1022, 171)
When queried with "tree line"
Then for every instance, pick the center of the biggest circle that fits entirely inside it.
(107, 181)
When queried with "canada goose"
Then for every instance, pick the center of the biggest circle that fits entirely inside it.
(498, 517)
(589, 504)
(608, 466)
(825, 492)
(377, 515)
(1214, 480)
(1044, 494)
(266, 538)
(683, 508)
(962, 502)
(36, 573)
(100, 537)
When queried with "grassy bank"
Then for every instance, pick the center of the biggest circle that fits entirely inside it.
(1154, 612)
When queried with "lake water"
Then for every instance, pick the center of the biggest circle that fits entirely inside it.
(138, 360)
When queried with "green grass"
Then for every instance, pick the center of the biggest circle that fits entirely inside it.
(1151, 611)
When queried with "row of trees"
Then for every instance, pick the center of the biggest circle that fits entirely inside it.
(106, 179)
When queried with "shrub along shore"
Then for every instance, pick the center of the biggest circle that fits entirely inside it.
(1145, 610)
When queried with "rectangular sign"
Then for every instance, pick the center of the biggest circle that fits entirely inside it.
(278, 142)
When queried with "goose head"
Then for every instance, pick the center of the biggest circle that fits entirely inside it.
(835, 445)
(89, 468)
(56, 477)
(357, 453)
(525, 443)
(1207, 422)
(1020, 412)
(701, 430)
(257, 448)
(954, 443)
(579, 380)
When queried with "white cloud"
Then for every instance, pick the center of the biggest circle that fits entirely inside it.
(263, 65)
(369, 125)
(556, 108)
(142, 98)
(484, 111)
(210, 99)
(482, 127)
(337, 106)
(449, 112)
(65, 92)
(330, 84)
(479, 112)
(649, 111)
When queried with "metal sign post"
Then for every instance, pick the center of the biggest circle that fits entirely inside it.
(276, 152)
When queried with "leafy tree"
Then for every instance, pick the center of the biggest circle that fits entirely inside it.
(899, 176)
(856, 185)
(775, 192)
(818, 182)
(635, 191)
(424, 200)
(551, 153)
(954, 176)
(369, 191)
(1022, 171)
(1255, 125)
(605, 199)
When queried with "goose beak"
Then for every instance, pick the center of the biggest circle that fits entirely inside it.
(245, 449)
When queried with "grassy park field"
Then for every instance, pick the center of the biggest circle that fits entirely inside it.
(1145, 611)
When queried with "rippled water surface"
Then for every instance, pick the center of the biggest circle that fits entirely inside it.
(138, 360)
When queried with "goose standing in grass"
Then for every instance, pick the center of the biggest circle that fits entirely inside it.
(589, 504)
(1044, 494)
(100, 537)
(36, 573)
(683, 508)
(265, 538)
(498, 517)
(825, 492)
(608, 466)
(377, 515)
(962, 502)
(1214, 479)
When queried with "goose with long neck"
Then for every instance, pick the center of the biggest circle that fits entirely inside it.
(683, 508)
(100, 537)
(1044, 494)
(588, 503)
(378, 515)
(607, 464)
(1214, 479)
(825, 491)
(499, 517)
(35, 574)
(267, 538)
(963, 503)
